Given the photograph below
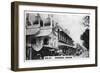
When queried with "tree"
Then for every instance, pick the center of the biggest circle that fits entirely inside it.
(85, 38)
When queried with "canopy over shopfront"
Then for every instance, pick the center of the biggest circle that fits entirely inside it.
(43, 33)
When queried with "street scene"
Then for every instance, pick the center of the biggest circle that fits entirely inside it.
(56, 36)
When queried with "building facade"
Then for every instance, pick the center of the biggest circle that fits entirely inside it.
(48, 34)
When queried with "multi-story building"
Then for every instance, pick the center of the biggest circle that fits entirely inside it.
(47, 33)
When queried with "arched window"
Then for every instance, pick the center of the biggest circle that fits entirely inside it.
(36, 20)
(47, 22)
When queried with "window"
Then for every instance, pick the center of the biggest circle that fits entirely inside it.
(47, 22)
(46, 41)
(27, 20)
(41, 23)
(35, 22)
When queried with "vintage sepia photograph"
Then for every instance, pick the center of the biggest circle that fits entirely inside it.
(56, 35)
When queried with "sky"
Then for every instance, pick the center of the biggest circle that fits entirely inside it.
(73, 23)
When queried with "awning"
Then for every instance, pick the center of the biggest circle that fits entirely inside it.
(44, 32)
(32, 31)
